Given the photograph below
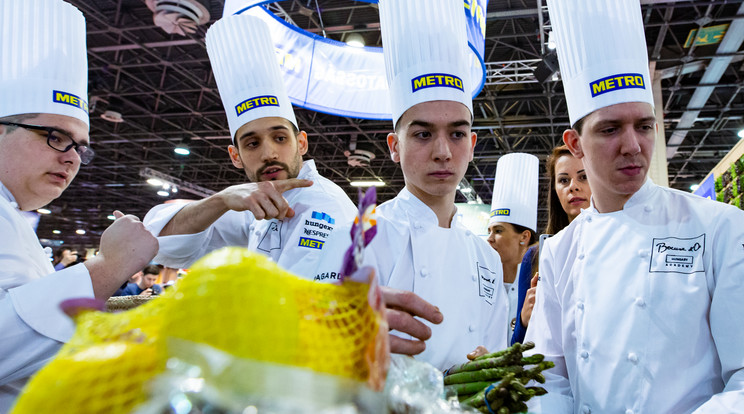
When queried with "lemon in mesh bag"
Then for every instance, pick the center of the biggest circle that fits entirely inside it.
(233, 300)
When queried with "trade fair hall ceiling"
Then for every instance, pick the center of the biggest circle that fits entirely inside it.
(151, 90)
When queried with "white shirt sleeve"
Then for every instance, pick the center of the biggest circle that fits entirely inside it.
(726, 309)
(32, 325)
(182, 250)
(545, 331)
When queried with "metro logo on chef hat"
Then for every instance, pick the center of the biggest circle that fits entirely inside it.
(247, 72)
(426, 53)
(43, 59)
(601, 52)
(515, 191)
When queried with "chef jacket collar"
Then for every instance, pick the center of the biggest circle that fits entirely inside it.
(307, 172)
(6, 194)
(639, 197)
(417, 210)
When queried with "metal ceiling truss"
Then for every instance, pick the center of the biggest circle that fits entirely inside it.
(163, 86)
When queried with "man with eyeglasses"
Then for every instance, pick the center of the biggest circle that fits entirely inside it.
(43, 142)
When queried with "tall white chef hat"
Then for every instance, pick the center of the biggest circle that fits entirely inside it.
(43, 59)
(247, 72)
(601, 52)
(426, 52)
(515, 190)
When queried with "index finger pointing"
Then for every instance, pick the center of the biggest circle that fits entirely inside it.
(284, 185)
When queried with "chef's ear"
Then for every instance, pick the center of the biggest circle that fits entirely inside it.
(473, 139)
(302, 142)
(394, 146)
(571, 139)
(235, 156)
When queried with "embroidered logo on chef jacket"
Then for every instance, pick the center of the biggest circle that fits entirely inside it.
(327, 276)
(256, 102)
(678, 255)
(432, 80)
(311, 243)
(272, 238)
(318, 225)
(617, 82)
(486, 283)
(319, 215)
(70, 99)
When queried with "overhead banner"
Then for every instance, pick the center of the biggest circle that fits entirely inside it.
(332, 77)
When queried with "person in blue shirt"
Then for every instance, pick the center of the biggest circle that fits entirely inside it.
(146, 286)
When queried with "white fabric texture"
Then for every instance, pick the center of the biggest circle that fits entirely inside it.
(32, 326)
(640, 309)
(451, 268)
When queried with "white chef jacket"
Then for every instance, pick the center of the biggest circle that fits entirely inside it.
(451, 268)
(512, 295)
(32, 326)
(296, 243)
(640, 309)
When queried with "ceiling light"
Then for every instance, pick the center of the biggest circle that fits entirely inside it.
(466, 190)
(367, 183)
(163, 193)
(694, 187)
(551, 41)
(154, 181)
(741, 133)
(355, 40)
(183, 147)
(43, 211)
(111, 217)
(112, 116)
(80, 231)
(56, 232)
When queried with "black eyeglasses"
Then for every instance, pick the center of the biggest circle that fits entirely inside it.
(60, 141)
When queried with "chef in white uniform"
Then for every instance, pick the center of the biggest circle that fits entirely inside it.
(639, 302)
(512, 223)
(291, 228)
(420, 246)
(43, 141)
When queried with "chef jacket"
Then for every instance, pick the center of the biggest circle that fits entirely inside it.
(512, 295)
(295, 243)
(451, 268)
(32, 326)
(640, 309)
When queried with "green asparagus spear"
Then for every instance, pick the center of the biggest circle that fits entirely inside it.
(516, 347)
(501, 361)
(468, 387)
(488, 374)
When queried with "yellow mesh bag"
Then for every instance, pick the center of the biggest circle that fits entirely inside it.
(233, 300)
(276, 317)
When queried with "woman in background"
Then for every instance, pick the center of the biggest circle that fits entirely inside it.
(568, 194)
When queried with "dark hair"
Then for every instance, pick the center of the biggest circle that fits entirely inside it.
(151, 270)
(557, 217)
(294, 129)
(59, 252)
(17, 119)
(520, 229)
(579, 125)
